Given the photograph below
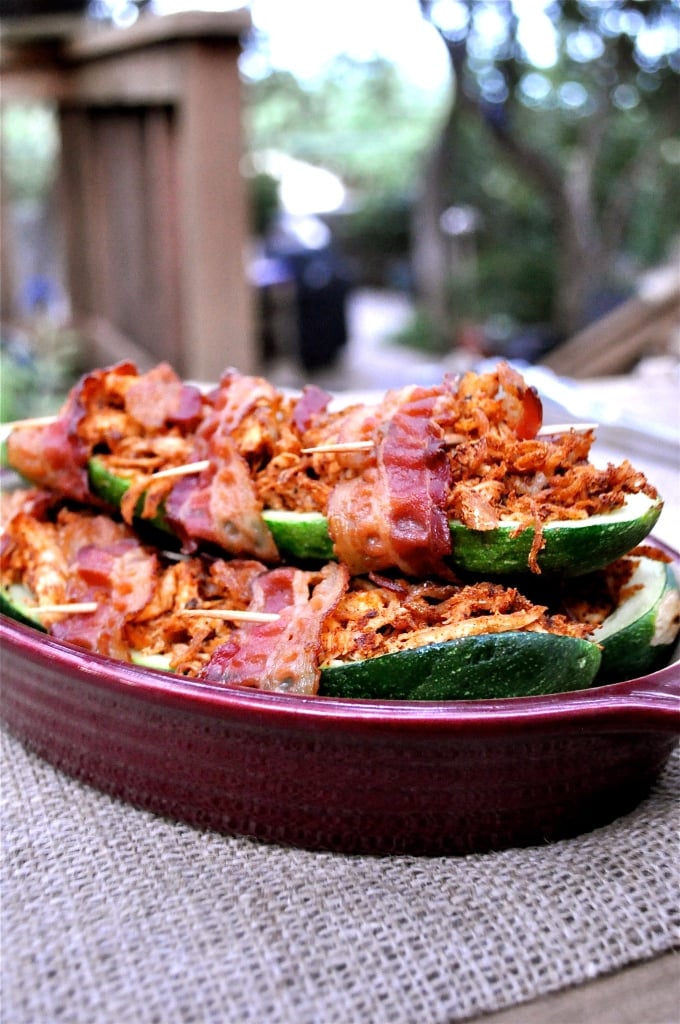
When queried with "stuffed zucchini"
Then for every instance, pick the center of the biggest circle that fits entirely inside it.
(289, 630)
(634, 605)
(458, 475)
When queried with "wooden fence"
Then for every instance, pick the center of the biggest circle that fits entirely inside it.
(152, 199)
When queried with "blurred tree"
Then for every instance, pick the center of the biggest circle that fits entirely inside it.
(575, 105)
(359, 119)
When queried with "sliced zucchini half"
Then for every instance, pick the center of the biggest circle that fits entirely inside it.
(571, 548)
(111, 488)
(489, 666)
(494, 665)
(500, 665)
(18, 602)
(302, 535)
(639, 635)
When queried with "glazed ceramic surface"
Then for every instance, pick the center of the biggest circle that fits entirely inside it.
(351, 776)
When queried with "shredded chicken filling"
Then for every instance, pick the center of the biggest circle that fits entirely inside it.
(62, 555)
(495, 472)
(495, 468)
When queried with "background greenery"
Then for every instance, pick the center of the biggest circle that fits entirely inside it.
(601, 124)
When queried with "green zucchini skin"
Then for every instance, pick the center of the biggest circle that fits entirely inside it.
(111, 489)
(300, 535)
(571, 549)
(639, 636)
(493, 665)
(12, 606)
(303, 536)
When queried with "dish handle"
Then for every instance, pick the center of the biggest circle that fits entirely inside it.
(656, 697)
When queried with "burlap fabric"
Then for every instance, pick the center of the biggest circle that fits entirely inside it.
(113, 915)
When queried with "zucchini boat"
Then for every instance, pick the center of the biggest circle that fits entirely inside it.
(635, 607)
(492, 665)
(459, 474)
(570, 548)
(324, 631)
(88, 580)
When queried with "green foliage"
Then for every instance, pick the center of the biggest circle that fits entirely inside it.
(419, 332)
(38, 365)
(654, 220)
(360, 120)
(264, 202)
(30, 145)
(602, 110)
(17, 382)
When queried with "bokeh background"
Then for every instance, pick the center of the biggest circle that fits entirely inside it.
(428, 183)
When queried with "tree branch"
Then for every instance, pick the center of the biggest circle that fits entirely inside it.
(543, 171)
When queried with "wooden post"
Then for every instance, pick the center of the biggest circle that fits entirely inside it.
(212, 222)
(153, 201)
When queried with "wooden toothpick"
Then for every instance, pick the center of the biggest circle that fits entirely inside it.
(231, 614)
(64, 609)
(364, 446)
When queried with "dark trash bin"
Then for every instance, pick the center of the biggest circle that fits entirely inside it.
(305, 247)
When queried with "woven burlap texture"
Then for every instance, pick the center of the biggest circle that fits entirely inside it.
(111, 914)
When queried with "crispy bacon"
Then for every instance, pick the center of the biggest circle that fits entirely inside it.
(235, 397)
(159, 398)
(220, 507)
(283, 655)
(396, 516)
(121, 579)
(523, 407)
(473, 436)
(68, 556)
(105, 407)
(55, 456)
(312, 401)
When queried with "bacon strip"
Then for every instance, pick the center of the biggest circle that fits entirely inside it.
(220, 506)
(121, 579)
(523, 407)
(54, 456)
(313, 401)
(283, 655)
(395, 515)
(159, 397)
(230, 403)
